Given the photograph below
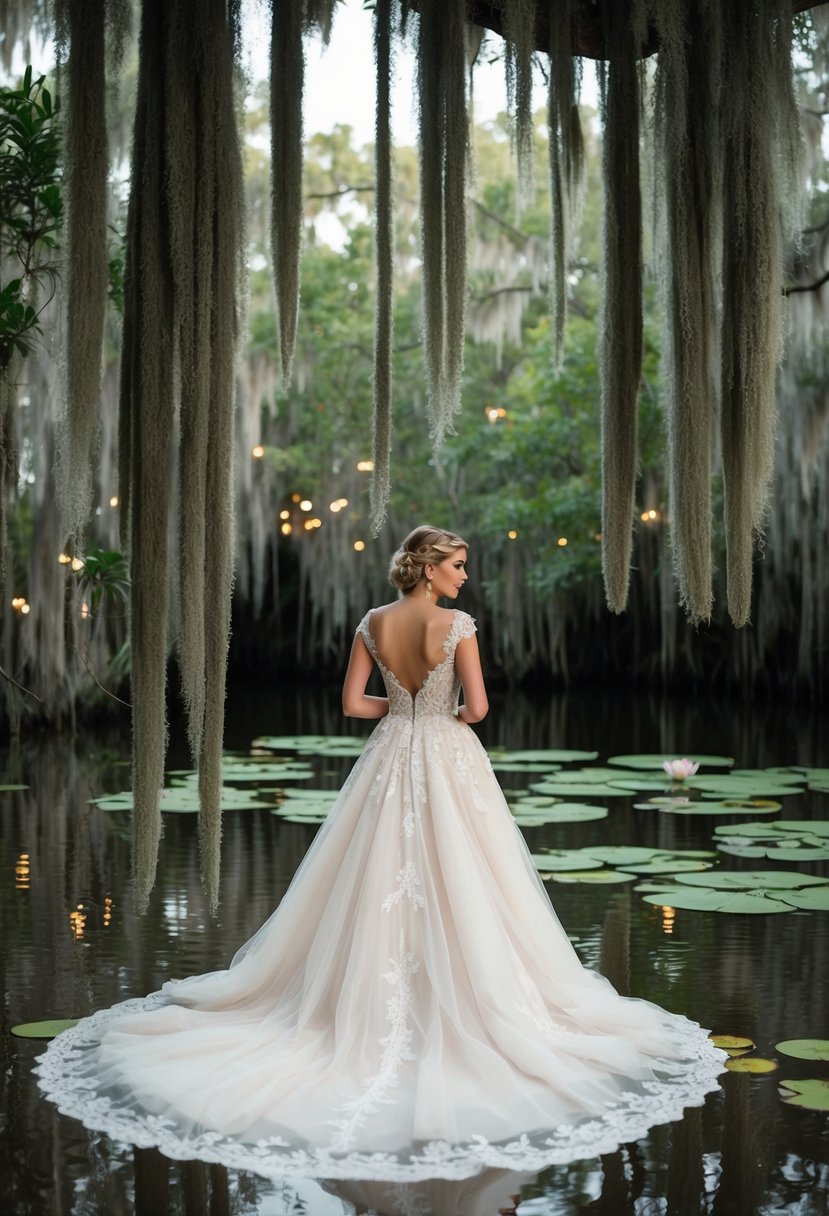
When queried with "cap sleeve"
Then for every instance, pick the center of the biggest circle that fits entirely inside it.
(362, 631)
(464, 626)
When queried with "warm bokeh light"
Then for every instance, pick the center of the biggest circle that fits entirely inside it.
(338, 504)
(306, 504)
(85, 613)
(22, 872)
(25, 609)
(286, 529)
(296, 497)
(64, 559)
(495, 413)
(284, 514)
(668, 918)
(561, 542)
(365, 466)
(513, 535)
(257, 452)
(113, 502)
(77, 564)
(597, 536)
(359, 545)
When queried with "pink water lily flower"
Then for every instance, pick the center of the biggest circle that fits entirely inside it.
(680, 769)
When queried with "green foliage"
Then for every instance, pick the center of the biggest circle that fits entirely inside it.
(31, 208)
(104, 578)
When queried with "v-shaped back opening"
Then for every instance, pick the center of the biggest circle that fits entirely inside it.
(445, 647)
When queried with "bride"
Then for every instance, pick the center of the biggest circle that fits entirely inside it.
(413, 1008)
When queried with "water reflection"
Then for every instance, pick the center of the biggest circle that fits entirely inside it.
(70, 943)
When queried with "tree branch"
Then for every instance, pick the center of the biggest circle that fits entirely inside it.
(341, 191)
(816, 286)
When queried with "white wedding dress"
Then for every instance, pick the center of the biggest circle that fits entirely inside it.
(413, 1009)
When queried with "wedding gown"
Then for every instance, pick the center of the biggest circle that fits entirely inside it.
(413, 1008)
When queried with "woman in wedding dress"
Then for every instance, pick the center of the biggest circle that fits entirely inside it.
(413, 1009)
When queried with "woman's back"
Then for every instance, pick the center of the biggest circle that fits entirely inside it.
(410, 640)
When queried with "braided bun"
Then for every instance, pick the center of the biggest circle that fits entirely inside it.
(423, 545)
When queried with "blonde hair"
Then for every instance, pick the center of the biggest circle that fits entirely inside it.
(424, 544)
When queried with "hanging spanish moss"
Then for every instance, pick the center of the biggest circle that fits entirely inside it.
(566, 155)
(759, 88)
(621, 310)
(319, 14)
(520, 18)
(86, 170)
(181, 328)
(690, 180)
(147, 409)
(384, 249)
(224, 334)
(444, 139)
(287, 85)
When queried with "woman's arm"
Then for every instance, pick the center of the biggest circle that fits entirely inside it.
(468, 666)
(355, 702)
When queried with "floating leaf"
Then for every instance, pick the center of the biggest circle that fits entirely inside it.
(624, 855)
(815, 827)
(574, 812)
(752, 880)
(633, 784)
(582, 789)
(594, 876)
(804, 1049)
(811, 1095)
(727, 806)
(656, 761)
(732, 1042)
(8, 789)
(183, 800)
(755, 1065)
(43, 1030)
(763, 774)
(723, 786)
(304, 794)
(816, 899)
(710, 900)
(307, 818)
(529, 766)
(667, 865)
(555, 755)
(664, 802)
(565, 859)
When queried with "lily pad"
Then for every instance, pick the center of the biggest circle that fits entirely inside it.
(308, 818)
(727, 806)
(656, 761)
(814, 827)
(665, 802)
(667, 865)
(562, 789)
(8, 789)
(755, 1065)
(811, 1095)
(594, 876)
(804, 1049)
(574, 812)
(526, 766)
(43, 1030)
(554, 755)
(307, 795)
(752, 880)
(711, 900)
(633, 784)
(624, 855)
(183, 800)
(565, 859)
(816, 899)
(732, 1042)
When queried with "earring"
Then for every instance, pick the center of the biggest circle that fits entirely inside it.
(428, 588)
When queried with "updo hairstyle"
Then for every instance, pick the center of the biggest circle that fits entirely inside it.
(424, 544)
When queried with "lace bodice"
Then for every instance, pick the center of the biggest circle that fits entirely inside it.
(440, 690)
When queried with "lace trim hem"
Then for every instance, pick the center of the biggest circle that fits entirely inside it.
(627, 1120)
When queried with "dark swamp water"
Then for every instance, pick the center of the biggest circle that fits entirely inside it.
(764, 976)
